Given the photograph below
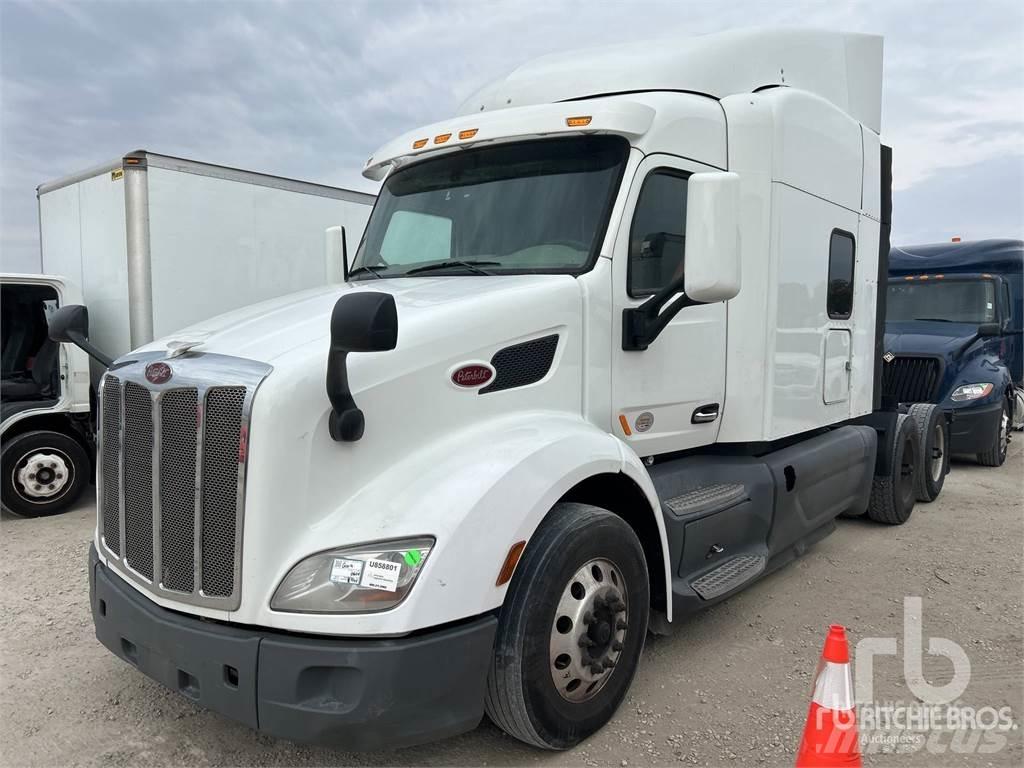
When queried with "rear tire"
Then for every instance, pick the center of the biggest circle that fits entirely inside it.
(894, 493)
(44, 473)
(996, 454)
(933, 447)
(571, 629)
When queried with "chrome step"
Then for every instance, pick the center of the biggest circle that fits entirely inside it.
(706, 497)
(728, 576)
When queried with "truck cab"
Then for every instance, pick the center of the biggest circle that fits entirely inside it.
(953, 338)
(44, 424)
(606, 355)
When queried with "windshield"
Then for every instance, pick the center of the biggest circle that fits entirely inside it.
(538, 206)
(944, 300)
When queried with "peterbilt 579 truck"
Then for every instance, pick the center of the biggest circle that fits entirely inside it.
(608, 352)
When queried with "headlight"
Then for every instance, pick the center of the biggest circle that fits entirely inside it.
(370, 577)
(970, 392)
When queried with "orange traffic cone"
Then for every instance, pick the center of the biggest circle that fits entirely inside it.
(830, 736)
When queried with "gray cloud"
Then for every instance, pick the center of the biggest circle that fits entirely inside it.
(310, 89)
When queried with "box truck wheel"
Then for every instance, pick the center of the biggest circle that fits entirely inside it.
(933, 437)
(571, 629)
(44, 473)
(893, 494)
(996, 454)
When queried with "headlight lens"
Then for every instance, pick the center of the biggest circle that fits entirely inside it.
(370, 577)
(970, 392)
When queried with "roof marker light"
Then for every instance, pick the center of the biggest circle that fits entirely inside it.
(956, 239)
(419, 143)
(441, 138)
(469, 133)
(578, 122)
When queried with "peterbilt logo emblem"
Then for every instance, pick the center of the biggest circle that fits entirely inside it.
(472, 376)
(158, 373)
(888, 357)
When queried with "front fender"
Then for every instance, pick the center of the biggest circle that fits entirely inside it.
(478, 491)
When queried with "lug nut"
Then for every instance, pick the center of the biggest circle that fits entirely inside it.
(588, 617)
(599, 602)
(620, 624)
(586, 642)
(596, 668)
(60, 476)
(616, 646)
(608, 663)
(32, 476)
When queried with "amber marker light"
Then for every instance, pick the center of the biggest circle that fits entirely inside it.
(469, 133)
(511, 560)
(441, 138)
(582, 121)
(625, 425)
(419, 144)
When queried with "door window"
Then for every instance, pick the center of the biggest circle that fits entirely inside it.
(840, 275)
(657, 236)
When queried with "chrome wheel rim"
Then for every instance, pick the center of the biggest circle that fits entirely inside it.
(43, 475)
(938, 451)
(588, 630)
(1004, 432)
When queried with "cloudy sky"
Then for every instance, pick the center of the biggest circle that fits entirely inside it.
(310, 89)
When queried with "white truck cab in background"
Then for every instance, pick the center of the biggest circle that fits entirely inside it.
(607, 353)
(151, 244)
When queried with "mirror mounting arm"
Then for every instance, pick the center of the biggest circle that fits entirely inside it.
(641, 325)
(94, 352)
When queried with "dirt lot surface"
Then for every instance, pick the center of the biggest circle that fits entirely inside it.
(728, 688)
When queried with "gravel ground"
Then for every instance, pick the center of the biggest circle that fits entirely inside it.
(728, 688)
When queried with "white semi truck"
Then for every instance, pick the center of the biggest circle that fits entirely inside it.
(151, 244)
(608, 352)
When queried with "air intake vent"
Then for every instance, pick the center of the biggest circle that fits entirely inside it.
(522, 364)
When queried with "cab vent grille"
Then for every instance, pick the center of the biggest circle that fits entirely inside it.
(522, 364)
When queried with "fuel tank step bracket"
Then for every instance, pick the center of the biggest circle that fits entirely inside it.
(706, 498)
(728, 576)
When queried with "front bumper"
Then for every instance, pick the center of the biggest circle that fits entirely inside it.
(357, 694)
(974, 429)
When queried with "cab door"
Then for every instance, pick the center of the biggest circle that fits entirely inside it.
(670, 396)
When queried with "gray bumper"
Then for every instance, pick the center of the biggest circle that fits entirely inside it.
(357, 694)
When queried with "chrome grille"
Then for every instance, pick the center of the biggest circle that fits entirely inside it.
(172, 474)
(220, 487)
(110, 463)
(138, 479)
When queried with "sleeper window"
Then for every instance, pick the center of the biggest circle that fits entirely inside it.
(840, 275)
(657, 237)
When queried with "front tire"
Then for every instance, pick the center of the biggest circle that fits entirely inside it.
(571, 629)
(894, 493)
(934, 449)
(44, 473)
(996, 454)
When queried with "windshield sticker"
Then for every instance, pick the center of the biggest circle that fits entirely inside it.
(346, 571)
(381, 574)
(412, 557)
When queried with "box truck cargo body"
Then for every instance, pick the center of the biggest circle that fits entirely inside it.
(150, 244)
(608, 353)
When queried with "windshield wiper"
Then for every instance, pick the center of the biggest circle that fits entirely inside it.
(934, 320)
(370, 268)
(473, 266)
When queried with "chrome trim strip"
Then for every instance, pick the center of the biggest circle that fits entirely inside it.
(156, 404)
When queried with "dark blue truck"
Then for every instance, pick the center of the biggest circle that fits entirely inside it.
(954, 319)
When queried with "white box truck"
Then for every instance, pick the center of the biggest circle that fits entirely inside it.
(608, 353)
(151, 244)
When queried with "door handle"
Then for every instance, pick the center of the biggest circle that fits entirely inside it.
(705, 414)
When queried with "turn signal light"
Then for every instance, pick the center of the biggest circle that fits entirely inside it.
(441, 138)
(511, 560)
(578, 122)
(419, 144)
(467, 134)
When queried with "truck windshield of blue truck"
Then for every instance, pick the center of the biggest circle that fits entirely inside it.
(537, 206)
(942, 300)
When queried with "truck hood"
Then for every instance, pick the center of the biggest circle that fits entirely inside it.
(922, 337)
(271, 329)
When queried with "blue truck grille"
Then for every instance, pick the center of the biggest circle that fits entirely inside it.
(911, 379)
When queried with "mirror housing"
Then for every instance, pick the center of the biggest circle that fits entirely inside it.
(360, 322)
(712, 260)
(70, 325)
(988, 330)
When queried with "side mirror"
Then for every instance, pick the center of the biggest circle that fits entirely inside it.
(335, 255)
(988, 330)
(360, 322)
(712, 237)
(70, 325)
(711, 260)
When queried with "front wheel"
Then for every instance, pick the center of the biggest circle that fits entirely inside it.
(934, 449)
(44, 473)
(996, 454)
(571, 629)
(893, 494)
